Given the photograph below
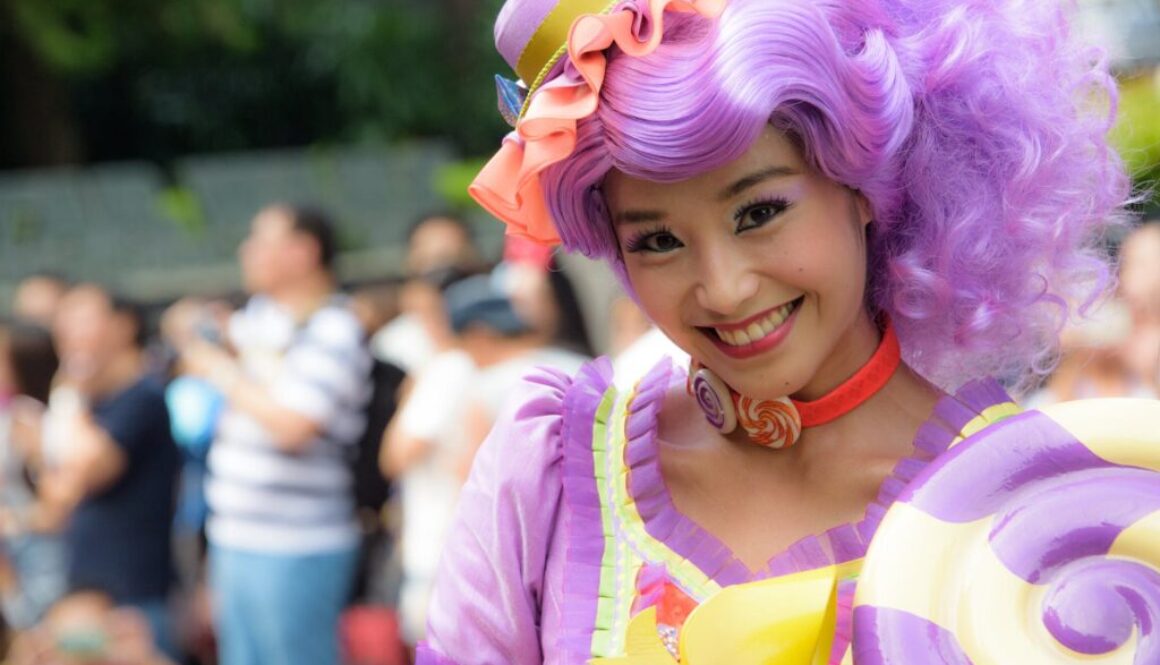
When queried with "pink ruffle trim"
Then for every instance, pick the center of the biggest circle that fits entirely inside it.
(509, 185)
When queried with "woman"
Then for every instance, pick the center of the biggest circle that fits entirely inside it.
(798, 194)
(28, 361)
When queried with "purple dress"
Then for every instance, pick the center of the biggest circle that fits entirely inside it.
(566, 521)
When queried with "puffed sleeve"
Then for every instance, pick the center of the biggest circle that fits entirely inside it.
(485, 609)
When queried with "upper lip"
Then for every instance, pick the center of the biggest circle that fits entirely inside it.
(742, 325)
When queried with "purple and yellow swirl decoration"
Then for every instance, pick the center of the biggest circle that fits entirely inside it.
(1036, 540)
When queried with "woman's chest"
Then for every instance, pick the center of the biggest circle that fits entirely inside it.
(758, 506)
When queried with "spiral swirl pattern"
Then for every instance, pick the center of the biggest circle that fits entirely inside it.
(1037, 540)
(715, 399)
(770, 422)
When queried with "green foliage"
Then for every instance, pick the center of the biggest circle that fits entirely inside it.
(1137, 131)
(95, 36)
(452, 180)
(181, 206)
(21, 226)
(76, 36)
(159, 78)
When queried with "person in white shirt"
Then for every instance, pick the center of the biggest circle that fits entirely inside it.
(436, 243)
(452, 405)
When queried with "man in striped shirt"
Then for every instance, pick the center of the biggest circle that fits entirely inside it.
(282, 532)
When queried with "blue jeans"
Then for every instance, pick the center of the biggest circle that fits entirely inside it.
(40, 564)
(276, 608)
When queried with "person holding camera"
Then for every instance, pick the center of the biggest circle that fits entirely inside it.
(282, 530)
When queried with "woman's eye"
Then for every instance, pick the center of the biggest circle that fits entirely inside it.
(759, 214)
(658, 242)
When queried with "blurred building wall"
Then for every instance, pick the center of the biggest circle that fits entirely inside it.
(156, 238)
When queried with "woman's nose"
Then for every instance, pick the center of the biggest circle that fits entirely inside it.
(725, 283)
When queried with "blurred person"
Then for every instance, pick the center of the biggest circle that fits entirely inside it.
(111, 487)
(376, 582)
(504, 348)
(38, 296)
(194, 404)
(637, 345)
(282, 530)
(626, 324)
(421, 451)
(453, 404)
(86, 627)
(440, 240)
(1115, 352)
(568, 328)
(376, 579)
(1092, 363)
(543, 295)
(436, 243)
(376, 305)
(35, 562)
(195, 407)
(1140, 290)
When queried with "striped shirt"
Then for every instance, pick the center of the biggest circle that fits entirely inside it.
(266, 500)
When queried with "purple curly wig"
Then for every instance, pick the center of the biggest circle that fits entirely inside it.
(976, 131)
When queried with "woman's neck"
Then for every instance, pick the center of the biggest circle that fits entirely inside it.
(851, 353)
(306, 296)
(884, 425)
(119, 373)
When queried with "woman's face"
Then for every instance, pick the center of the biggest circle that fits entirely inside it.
(757, 269)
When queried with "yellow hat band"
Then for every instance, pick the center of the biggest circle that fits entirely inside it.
(547, 44)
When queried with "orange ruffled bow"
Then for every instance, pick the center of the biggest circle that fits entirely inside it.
(509, 185)
(786, 620)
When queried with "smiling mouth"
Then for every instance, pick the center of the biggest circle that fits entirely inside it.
(755, 331)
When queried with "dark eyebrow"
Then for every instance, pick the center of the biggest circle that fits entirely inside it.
(637, 217)
(755, 178)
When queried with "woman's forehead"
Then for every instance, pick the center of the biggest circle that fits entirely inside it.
(772, 155)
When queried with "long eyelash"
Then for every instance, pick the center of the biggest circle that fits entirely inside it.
(775, 202)
(636, 243)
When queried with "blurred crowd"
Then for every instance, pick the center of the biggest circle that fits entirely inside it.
(266, 478)
(1115, 352)
(270, 478)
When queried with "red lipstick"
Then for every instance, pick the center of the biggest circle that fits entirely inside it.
(760, 346)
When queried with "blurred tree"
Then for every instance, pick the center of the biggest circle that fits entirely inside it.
(36, 124)
(92, 80)
(96, 80)
(1137, 132)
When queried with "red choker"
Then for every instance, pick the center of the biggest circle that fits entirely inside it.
(778, 423)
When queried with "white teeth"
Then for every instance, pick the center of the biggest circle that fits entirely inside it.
(778, 316)
(756, 330)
